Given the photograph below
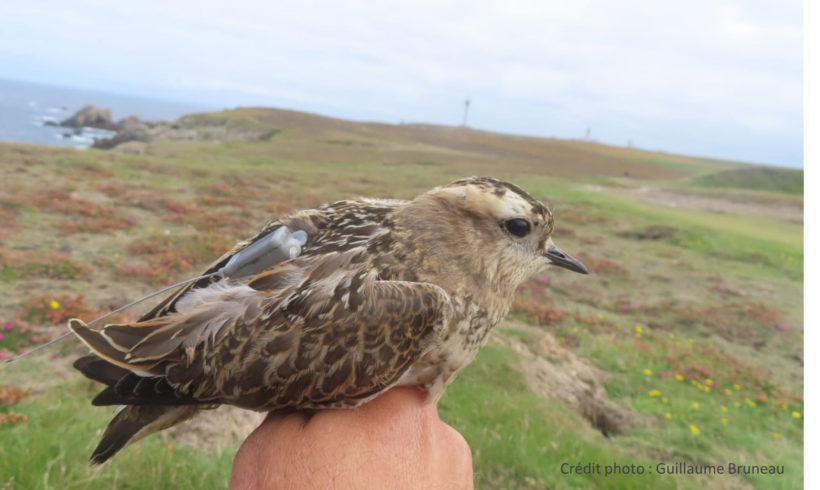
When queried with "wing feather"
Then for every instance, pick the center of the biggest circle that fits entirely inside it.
(310, 331)
(300, 348)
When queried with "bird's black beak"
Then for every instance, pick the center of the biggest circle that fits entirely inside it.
(562, 259)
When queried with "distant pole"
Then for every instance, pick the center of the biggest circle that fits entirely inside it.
(466, 110)
(589, 134)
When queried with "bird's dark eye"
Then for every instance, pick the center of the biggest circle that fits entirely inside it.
(518, 227)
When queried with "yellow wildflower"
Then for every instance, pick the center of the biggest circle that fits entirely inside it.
(672, 336)
(707, 389)
(694, 429)
(784, 406)
(600, 316)
(750, 403)
(574, 329)
(679, 377)
(776, 435)
(668, 415)
(724, 408)
(727, 391)
(725, 421)
(54, 305)
(737, 404)
(665, 400)
(709, 382)
(696, 406)
(647, 372)
(737, 387)
(638, 329)
(655, 393)
(796, 415)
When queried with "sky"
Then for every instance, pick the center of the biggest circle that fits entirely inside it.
(713, 78)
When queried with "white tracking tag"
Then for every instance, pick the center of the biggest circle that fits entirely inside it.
(279, 246)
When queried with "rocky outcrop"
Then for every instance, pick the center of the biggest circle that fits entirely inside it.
(92, 117)
(187, 128)
(131, 128)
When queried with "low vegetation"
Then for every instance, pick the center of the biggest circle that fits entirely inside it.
(685, 344)
(781, 180)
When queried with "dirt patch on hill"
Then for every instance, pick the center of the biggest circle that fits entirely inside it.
(785, 209)
(555, 372)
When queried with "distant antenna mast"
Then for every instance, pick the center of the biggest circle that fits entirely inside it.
(466, 110)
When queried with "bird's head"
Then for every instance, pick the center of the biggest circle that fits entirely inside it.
(492, 228)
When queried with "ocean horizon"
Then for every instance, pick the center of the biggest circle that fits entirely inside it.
(26, 107)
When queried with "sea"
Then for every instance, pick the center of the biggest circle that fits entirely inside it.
(26, 108)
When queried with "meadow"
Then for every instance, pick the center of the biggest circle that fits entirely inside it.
(684, 344)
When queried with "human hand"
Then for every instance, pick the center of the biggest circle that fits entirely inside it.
(392, 442)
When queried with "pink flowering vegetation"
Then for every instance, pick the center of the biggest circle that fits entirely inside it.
(83, 216)
(581, 215)
(85, 171)
(603, 266)
(192, 215)
(20, 264)
(745, 322)
(12, 395)
(60, 201)
(37, 317)
(712, 371)
(204, 220)
(533, 303)
(97, 225)
(263, 197)
(8, 222)
(151, 168)
(113, 190)
(224, 194)
(167, 257)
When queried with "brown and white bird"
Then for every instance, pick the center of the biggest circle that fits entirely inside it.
(385, 293)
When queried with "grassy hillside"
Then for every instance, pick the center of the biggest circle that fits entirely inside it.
(685, 344)
(781, 180)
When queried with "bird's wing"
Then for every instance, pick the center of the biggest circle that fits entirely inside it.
(337, 226)
(308, 221)
(340, 335)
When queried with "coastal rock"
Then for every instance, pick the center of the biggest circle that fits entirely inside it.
(132, 128)
(93, 117)
(187, 128)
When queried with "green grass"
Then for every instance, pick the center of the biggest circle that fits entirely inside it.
(521, 440)
(51, 451)
(782, 180)
(729, 422)
(677, 285)
(772, 247)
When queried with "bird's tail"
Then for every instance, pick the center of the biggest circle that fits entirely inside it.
(134, 422)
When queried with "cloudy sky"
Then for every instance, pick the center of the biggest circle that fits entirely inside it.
(719, 78)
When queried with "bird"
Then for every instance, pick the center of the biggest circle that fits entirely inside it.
(385, 293)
